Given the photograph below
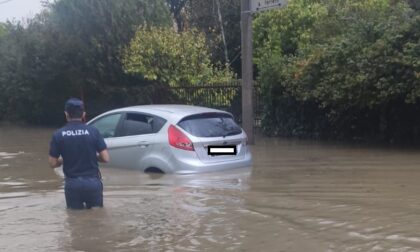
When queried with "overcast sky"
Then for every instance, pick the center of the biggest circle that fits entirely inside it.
(19, 9)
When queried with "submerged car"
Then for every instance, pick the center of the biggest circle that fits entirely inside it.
(173, 139)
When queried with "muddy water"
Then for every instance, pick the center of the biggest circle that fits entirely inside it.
(299, 196)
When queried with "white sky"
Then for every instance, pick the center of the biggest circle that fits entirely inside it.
(19, 9)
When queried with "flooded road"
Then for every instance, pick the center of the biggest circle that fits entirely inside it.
(299, 196)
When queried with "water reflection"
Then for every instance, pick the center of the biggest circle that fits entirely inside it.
(160, 213)
(173, 212)
(89, 230)
(299, 196)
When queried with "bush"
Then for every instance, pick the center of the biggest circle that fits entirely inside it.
(346, 69)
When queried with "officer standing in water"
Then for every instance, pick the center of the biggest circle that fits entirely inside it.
(79, 147)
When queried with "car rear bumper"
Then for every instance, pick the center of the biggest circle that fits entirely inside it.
(195, 165)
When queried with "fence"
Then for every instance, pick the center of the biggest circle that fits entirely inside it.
(224, 96)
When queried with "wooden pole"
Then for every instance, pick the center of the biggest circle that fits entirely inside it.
(247, 83)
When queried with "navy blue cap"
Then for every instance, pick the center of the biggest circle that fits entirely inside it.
(73, 104)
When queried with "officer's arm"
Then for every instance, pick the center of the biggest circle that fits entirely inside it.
(55, 162)
(103, 156)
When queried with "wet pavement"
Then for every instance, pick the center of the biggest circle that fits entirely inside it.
(298, 196)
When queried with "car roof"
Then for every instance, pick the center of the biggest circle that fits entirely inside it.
(174, 111)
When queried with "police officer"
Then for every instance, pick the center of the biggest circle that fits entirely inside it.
(79, 147)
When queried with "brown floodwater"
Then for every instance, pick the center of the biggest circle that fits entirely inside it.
(298, 196)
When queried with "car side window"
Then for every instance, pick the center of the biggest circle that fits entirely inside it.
(140, 124)
(107, 125)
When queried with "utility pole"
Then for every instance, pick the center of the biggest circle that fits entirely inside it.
(247, 78)
(247, 8)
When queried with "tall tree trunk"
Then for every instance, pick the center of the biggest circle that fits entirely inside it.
(222, 30)
(176, 7)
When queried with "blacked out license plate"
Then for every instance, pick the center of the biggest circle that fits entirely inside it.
(215, 150)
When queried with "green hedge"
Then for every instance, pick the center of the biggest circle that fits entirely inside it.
(340, 69)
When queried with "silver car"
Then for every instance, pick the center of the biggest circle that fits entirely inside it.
(173, 139)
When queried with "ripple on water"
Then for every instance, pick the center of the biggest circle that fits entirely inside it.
(399, 237)
(14, 195)
(300, 197)
(8, 155)
(12, 183)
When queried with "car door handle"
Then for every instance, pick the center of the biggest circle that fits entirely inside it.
(143, 144)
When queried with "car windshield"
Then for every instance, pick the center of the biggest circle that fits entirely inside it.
(210, 125)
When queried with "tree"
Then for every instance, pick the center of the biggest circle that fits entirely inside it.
(99, 30)
(346, 69)
(219, 20)
(3, 37)
(3, 30)
(415, 4)
(177, 8)
(169, 57)
(74, 48)
(176, 59)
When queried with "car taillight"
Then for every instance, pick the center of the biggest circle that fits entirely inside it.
(178, 139)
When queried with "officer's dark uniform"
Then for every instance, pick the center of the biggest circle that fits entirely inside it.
(78, 145)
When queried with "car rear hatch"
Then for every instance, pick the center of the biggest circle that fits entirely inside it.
(215, 131)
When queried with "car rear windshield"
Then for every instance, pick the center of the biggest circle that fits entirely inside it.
(210, 125)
